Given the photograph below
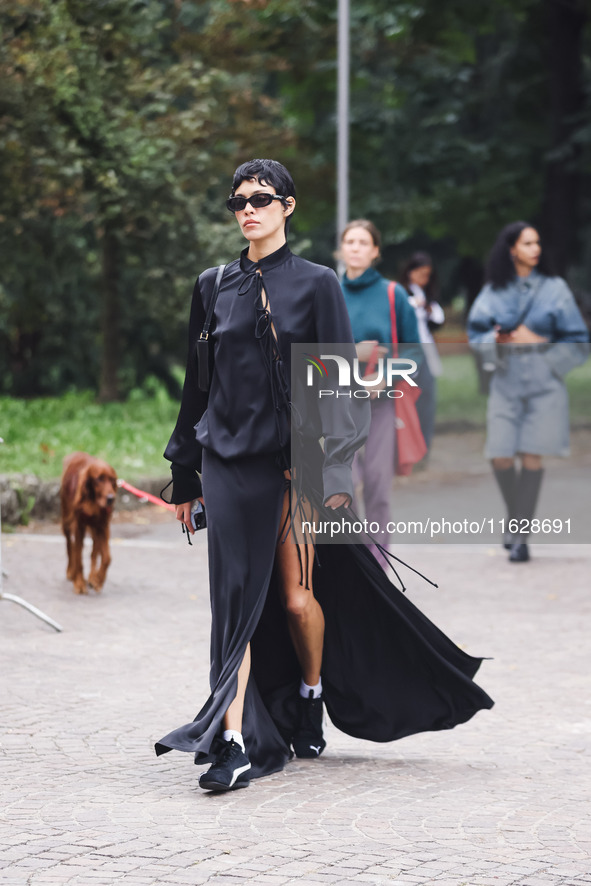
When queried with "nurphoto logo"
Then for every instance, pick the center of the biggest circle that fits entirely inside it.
(388, 372)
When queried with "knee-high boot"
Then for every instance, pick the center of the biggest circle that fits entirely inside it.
(526, 500)
(507, 482)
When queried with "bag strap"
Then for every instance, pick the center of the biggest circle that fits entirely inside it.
(214, 297)
(529, 305)
(373, 359)
(372, 362)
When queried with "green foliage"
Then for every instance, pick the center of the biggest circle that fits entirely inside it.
(578, 383)
(460, 403)
(121, 123)
(131, 436)
(105, 126)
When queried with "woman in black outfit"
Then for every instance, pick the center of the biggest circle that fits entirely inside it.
(419, 279)
(282, 614)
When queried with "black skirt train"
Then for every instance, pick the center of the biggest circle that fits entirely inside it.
(387, 671)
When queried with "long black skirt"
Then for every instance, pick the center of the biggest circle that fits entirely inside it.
(387, 671)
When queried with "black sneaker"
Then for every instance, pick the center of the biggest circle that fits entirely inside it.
(308, 740)
(231, 769)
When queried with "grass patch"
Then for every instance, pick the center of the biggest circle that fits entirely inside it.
(131, 436)
(459, 400)
(578, 383)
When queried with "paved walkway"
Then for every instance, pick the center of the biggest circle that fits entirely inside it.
(501, 800)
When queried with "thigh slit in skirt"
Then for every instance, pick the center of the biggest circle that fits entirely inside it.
(387, 671)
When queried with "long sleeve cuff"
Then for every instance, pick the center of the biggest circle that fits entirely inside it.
(186, 484)
(565, 356)
(336, 479)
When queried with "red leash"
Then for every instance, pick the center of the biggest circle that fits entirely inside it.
(146, 496)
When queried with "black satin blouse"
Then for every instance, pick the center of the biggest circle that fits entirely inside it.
(244, 411)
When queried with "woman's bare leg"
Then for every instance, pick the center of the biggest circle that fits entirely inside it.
(305, 618)
(233, 716)
(528, 461)
(531, 462)
(231, 767)
(502, 464)
(305, 621)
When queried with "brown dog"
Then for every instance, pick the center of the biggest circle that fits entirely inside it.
(87, 494)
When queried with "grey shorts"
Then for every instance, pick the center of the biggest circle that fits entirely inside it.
(527, 408)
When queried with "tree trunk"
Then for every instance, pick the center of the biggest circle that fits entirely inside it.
(109, 382)
(565, 22)
(471, 275)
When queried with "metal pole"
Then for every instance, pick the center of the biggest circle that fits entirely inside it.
(13, 597)
(343, 117)
(30, 608)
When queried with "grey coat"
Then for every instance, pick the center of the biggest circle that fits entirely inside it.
(528, 402)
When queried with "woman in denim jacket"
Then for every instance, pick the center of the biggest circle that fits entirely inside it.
(534, 317)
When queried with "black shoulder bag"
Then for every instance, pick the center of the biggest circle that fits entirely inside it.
(203, 348)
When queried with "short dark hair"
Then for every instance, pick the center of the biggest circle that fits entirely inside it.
(266, 172)
(421, 260)
(500, 268)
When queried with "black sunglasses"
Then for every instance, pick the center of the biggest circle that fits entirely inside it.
(257, 201)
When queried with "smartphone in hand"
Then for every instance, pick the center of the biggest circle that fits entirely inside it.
(198, 518)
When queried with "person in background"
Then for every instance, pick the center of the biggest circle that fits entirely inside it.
(524, 309)
(366, 297)
(419, 279)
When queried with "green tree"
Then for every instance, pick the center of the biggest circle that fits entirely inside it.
(463, 117)
(109, 139)
(121, 121)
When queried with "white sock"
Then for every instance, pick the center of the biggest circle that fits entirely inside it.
(232, 735)
(305, 690)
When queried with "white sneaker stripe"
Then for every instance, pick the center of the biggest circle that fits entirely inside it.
(238, 772)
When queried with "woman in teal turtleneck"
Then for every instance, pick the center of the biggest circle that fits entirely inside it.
(366, 296)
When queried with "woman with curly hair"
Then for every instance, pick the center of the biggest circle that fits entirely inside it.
(527, 311)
